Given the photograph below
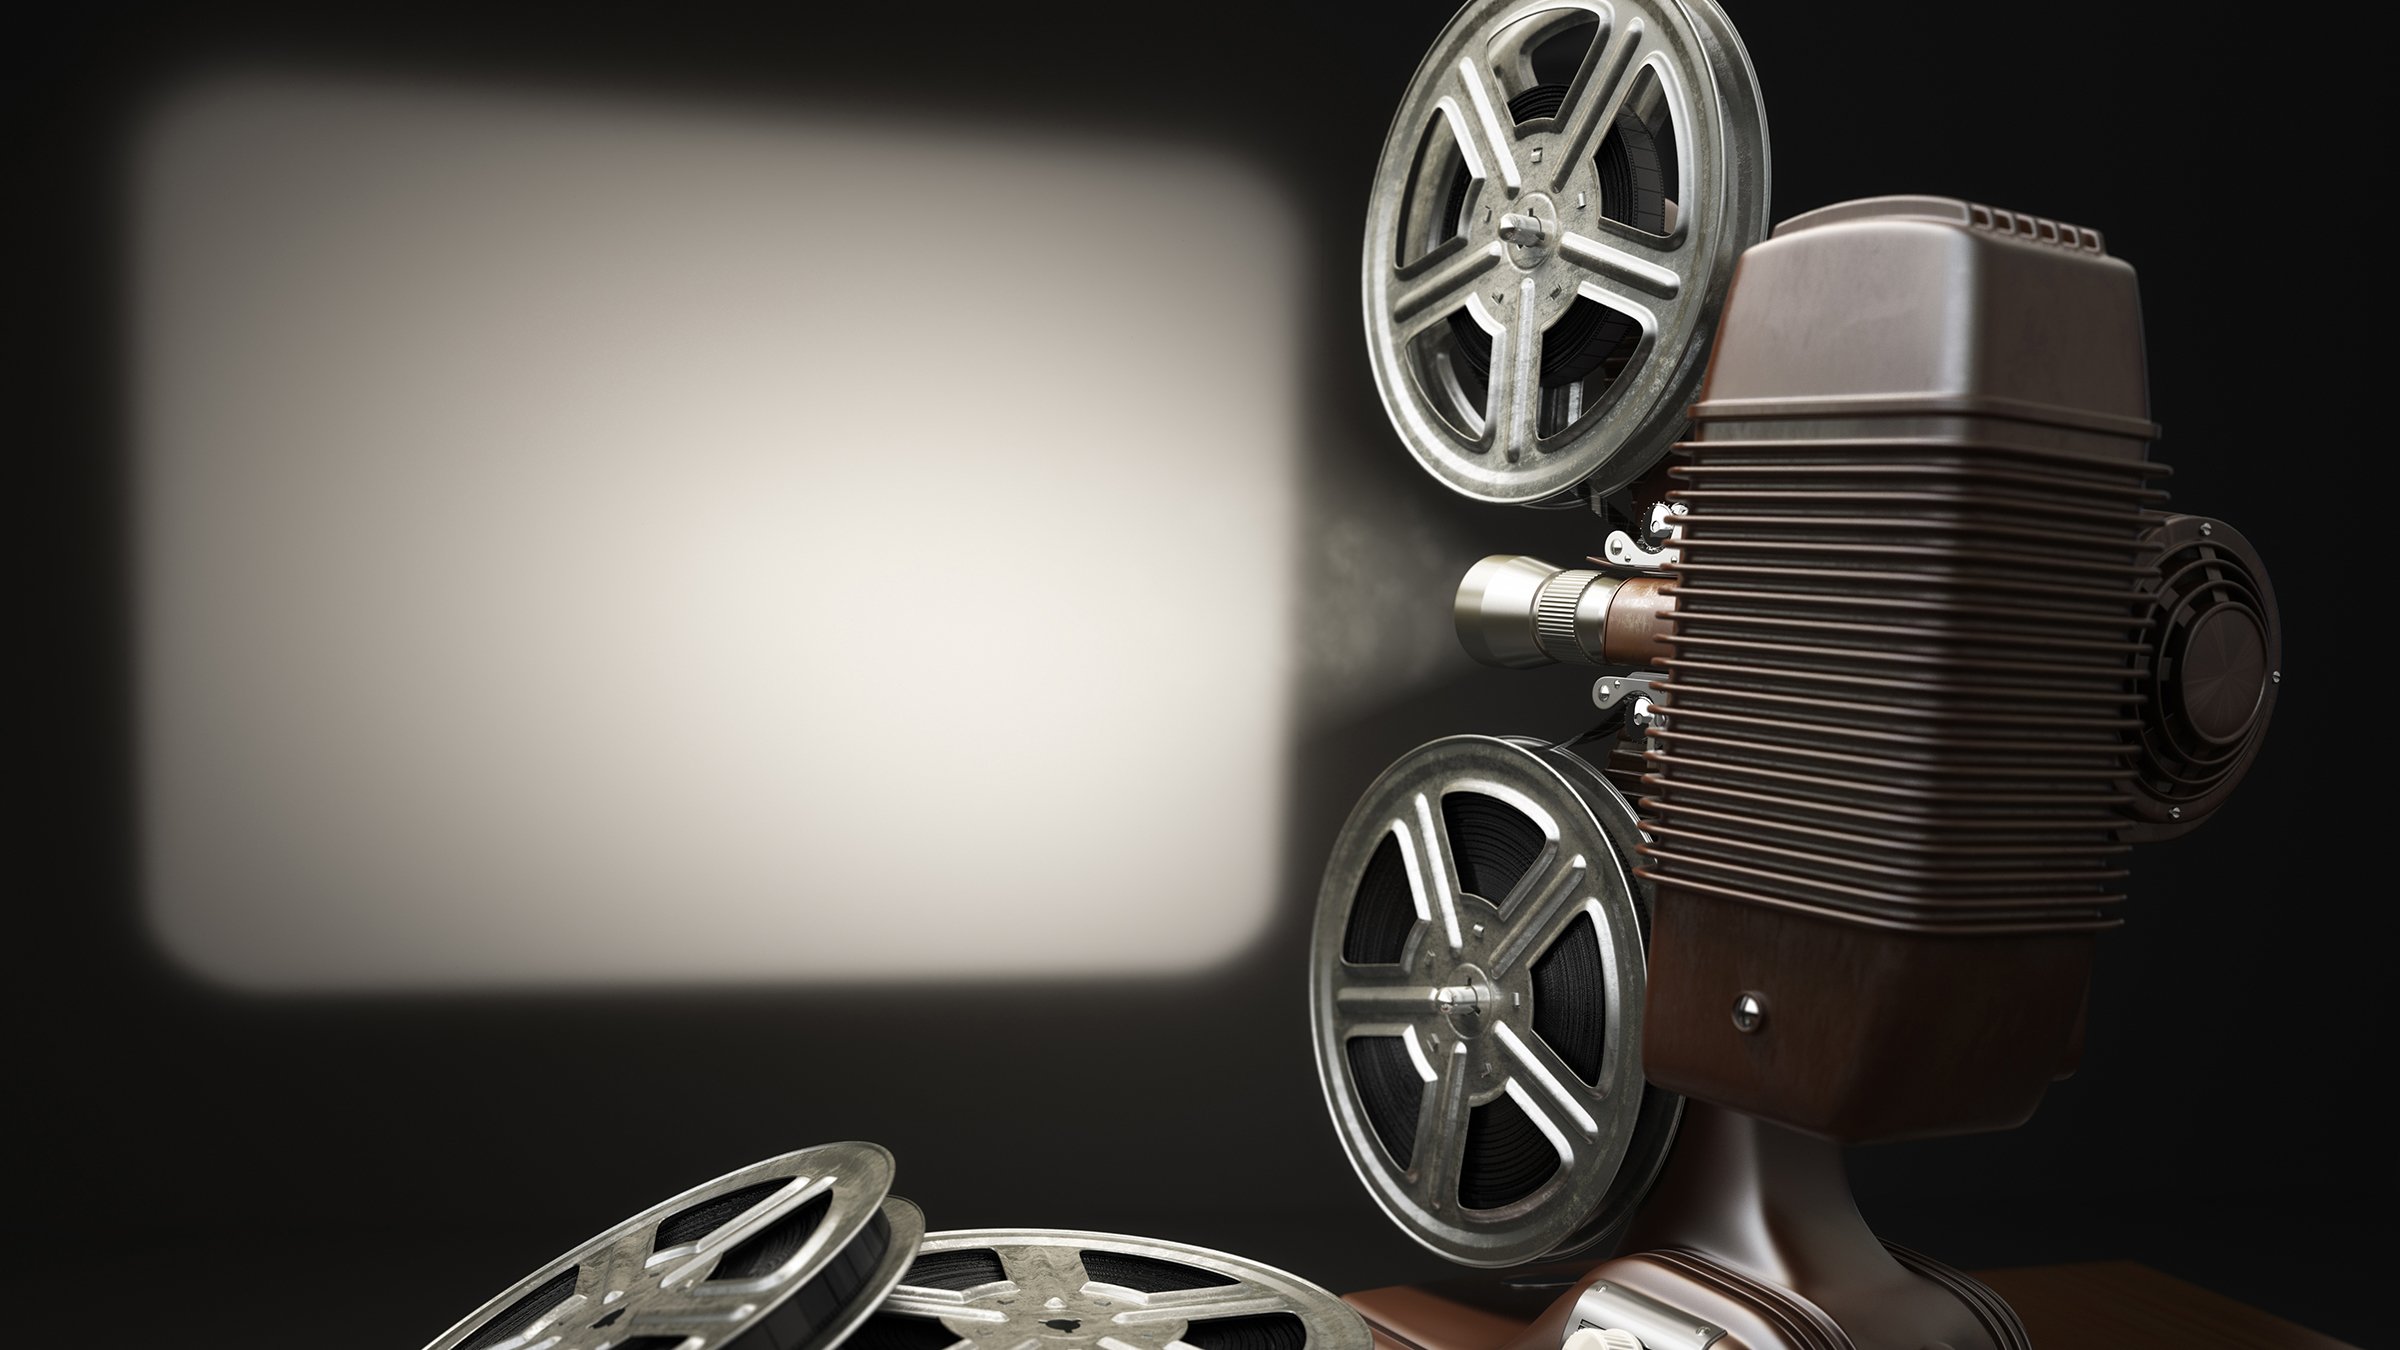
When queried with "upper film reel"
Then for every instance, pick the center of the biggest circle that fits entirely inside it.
(1555, 220)
(1002, 1289)
(786, 1254)
(1476, 986)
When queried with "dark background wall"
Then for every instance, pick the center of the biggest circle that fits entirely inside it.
(225, 1169)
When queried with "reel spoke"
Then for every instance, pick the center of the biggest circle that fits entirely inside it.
(1489, 149)
(1516, 390)
(1627, 267)
(1597, 94)
(1439, 283)
(1431, 878)
(712, 1247)
(1554, 900)
(1043, 1271)
(1240, 1299)
(1442, 1136)
(1369, 1005)
(1551, 1079)
(622, 1265)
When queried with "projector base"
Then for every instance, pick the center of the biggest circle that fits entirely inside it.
(1750, 1241)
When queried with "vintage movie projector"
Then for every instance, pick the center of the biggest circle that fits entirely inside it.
(1901, 654)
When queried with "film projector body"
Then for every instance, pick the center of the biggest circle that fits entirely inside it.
(1901, 654)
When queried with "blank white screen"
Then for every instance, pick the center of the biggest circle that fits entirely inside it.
(580, 542)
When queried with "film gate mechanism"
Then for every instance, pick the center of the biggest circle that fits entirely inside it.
(1902, 654)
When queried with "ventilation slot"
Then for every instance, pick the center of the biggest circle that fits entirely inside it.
(1384, 912)
(1633, 161)
(513, 1318)
(1147, 1274)
(1262, 1331)
(1390, 1090)
(895, 1331)
(1493, 844)
(1507, 1156)
(1569, 999)
(963, 1269)
(764, 1252)
(1434, 208)
(687, 1226)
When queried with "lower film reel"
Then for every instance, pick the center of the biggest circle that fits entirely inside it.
(786, 1254)
(1000, 1289)
(1476, 985)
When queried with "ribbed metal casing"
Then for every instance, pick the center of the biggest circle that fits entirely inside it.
(1908, 644)
(1904, 683)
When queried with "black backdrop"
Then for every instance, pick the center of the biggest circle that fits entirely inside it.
(226, 1170)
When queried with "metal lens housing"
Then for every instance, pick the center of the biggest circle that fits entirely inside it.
(1476, 983)
(1554, 223)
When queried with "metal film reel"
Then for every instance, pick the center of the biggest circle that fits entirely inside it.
(786, 1254)
(1476, 986)
(1001, 1289)
(1555, 220)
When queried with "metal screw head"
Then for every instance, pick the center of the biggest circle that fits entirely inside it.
(2276, 676)
(2174, 813)
(1646, 715)
(2207, 529)
(1749, 1013)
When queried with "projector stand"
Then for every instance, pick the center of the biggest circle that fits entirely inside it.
(1750, 1240)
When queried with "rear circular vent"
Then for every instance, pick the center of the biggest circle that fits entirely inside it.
(2215, 661)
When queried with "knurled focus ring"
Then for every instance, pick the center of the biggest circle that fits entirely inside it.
(1554, 607)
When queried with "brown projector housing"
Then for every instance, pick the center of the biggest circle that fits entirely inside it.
(1902, 716)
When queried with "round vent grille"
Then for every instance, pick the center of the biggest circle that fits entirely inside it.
(2215, 654)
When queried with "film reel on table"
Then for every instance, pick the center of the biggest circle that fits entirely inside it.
(1002, 1289)
(786, 1254)
(1553, 226)
(1476, 982)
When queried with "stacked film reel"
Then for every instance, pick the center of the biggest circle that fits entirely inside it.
(1003, 1289)
(786, 1254)
(809, 1251)
(1553, 226)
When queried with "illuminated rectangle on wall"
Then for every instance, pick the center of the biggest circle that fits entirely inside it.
(582, 542)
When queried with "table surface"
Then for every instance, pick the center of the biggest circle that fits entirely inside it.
(2124, 1305)
(2099, 1305)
